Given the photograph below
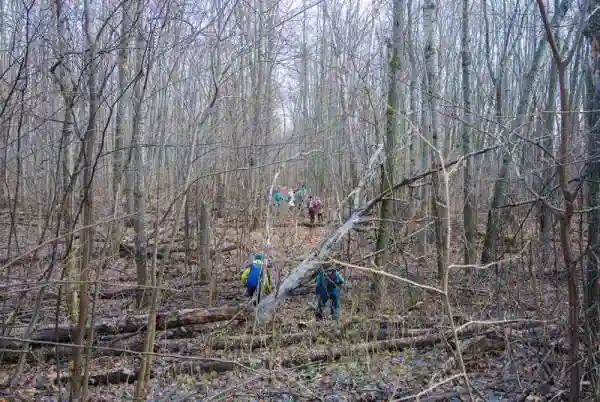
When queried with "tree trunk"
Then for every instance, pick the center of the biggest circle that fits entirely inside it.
(562, 161)
(258, 78)
(204, 237)
(438, 202)
(469, 208)
(137, 132)
(64, 81)
(119, 155)
(387, 169)
(79, 384)
(592, 261)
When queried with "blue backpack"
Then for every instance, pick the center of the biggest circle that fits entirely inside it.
(254, 275)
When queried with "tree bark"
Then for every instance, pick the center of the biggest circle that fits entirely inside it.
(137, 135)
(438, 201)
(387, 169)
(592, 262)
(119, 155)
(469, 208)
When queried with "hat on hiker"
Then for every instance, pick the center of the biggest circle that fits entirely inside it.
(259, 256)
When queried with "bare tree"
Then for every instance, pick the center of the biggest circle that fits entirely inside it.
(469, 211)
(592, 262)
(137, 160)
(391, 133)
(120, 156)
(79, 385)
(439, 204)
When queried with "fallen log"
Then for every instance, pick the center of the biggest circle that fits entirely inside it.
(130, 323)
(169, 341)
(103, 346)
(118, 376)
(312, 225)
(128, 292)
(256, 342)
(337, 351)
(315, 353)
(127, 250)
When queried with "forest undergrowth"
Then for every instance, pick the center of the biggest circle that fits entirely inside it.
(510, 323)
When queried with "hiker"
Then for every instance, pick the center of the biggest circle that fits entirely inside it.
(253, 276)
(277, 198)
(328, 285)
(315, 208)
(299, 193)
(291, 199)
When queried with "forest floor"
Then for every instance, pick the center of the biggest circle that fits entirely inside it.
(206, 353)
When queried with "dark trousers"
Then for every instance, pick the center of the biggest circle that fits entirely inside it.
(334, 306)
(319, 216)
(250, 293)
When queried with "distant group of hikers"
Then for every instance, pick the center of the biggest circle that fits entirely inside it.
(328, 284)
(295, 199)
(328, 281)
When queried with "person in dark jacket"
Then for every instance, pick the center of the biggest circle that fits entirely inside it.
(328, 285)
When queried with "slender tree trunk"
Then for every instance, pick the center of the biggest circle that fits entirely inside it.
(438, 202)
(64, 81)
(592, 261)
(137, 133)
(204, 238)
(469, 208)
(562, 161)
(79, 387)
(119, 155)
(387, 170)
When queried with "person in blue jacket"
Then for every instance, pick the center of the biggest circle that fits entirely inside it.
(328, 286)
(252, 276)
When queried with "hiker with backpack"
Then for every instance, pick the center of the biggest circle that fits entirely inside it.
(328, 286)
(315, 208)
(299, 193)
(253, 277)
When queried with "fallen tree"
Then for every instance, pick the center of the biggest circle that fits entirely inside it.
(477, 342)
(129, 324)
(169, 341)
(332, 352)
(126, 250)
(252, 342)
